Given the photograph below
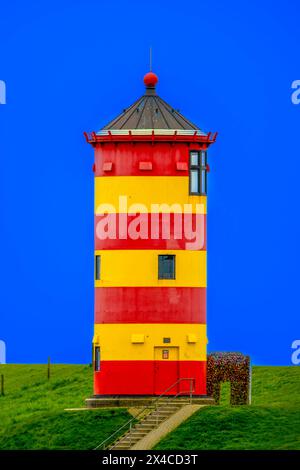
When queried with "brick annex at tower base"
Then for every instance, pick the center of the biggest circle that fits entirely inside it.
(150, 285)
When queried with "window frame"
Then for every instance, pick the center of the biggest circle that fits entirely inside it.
(97, 358)
(97, 267)
(201, 169)
(160, 257)
(165, 354)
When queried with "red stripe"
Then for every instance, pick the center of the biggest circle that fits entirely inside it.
(155, 232)
(150, 305)
(126, 159)
(149, 377)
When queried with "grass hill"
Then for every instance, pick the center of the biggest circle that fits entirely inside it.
(32, 413)
(271, 422)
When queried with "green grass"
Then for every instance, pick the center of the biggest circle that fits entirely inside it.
(272, 422)
(32, 412)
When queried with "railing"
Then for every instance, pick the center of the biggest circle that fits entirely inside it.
(150, 131)
(154, 405)
(150, 134)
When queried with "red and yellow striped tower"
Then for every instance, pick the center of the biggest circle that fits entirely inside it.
(150, 251)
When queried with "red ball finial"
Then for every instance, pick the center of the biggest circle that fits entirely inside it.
(150, 79)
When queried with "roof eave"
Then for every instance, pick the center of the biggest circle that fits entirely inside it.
(150, 135)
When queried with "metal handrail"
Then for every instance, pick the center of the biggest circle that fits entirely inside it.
(150, 131)
(154, 404)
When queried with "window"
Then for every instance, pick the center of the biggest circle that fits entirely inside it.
(165, 354)
(97, 267)
(166, 340)
(198, 173)
(166, 266)
(97, 358)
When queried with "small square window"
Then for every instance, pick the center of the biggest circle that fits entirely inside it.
(166, 340)
(166, 266)
(97, 267)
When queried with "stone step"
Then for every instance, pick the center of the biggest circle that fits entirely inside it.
(136, 435)
(165, 405)
(179, 402)
(162, 413)
(143, 423)
(127, 447)
(132, 439)
(162, 410)
(168, 407)
(158, 419)
(155, 420)
(153, 415)
(174, 400)
(126, 440)
(145, 426)
(138, 432)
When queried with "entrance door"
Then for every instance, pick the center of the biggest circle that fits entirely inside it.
(166, 369)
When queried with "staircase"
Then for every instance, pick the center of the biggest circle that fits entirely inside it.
(149, 418)
(147, 424)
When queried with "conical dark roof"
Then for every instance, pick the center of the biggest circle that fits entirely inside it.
(151, 112)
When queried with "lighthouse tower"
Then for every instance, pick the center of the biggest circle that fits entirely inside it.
(150, 251)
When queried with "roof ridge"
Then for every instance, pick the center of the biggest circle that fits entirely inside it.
(156, 101)
(181, 115)
(140, 117)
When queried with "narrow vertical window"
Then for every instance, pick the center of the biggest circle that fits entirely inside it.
(166, 266)
(194, 181)
(203, 178)
(97, 358)
(198, 173)
(97, 267)
(194, 173)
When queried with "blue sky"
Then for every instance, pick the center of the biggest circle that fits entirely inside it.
(71, 66)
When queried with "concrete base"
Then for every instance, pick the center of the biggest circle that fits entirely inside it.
(141, 401)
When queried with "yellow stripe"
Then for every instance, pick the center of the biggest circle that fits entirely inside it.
(116, 341)
(140, 268)
(141, 192)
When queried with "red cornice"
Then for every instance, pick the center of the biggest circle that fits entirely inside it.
(92, 138)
